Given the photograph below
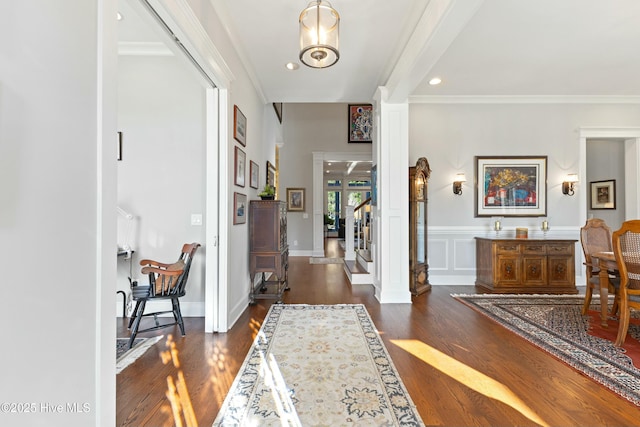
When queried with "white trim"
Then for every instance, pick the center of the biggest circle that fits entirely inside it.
(301, 253)
(179, 16)
(523, 99)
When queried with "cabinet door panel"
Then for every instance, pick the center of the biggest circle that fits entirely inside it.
(508, 271)
(534, 270)
(560, 271)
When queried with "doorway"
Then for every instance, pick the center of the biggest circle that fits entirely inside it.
(169, 147)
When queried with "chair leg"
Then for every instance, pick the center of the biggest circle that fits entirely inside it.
(177, 314)
(136, 324)
(587, 298)
(623, 323)
(133, 314)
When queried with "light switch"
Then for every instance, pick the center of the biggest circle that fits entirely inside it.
(305, 216)
(196, 219)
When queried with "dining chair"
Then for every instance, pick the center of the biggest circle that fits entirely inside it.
(166, 282)
(626, 248)
(595, 236)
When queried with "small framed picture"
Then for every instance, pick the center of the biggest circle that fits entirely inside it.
(239, 208)
(254, 172)
(295, 199)
(603, 194)
(239, 166)
(239, 126)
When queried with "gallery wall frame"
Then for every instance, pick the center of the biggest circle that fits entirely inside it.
(254, 171)
(239, 166)
(295, 199)
(239, 126)
(360, 118)
(603, 194)
(239, 208)
(510, 186)
(271, 174)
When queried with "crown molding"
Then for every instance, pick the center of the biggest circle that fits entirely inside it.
(524, 99)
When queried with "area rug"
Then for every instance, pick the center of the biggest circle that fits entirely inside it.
(318, 365)
(125, 356)
(555, 324)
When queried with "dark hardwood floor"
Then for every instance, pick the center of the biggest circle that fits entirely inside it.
(460, 368)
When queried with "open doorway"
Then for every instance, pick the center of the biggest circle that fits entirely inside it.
(167, 149)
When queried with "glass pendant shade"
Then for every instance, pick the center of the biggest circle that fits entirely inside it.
(319, 32)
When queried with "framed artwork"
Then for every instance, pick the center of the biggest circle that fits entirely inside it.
(239, 126)
(271, 174)
(603, 194)
(360, 123)
(119, 147)
(239, 208)
(253, 173)
(295, 199)
(239, 166)
(511, 186)
(278, 107)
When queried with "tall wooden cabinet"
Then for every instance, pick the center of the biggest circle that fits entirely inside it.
(418, 260)
(525, 265)
(268, 249)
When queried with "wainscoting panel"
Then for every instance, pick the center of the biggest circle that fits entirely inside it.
(438, 258)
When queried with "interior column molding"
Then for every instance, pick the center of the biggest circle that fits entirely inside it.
(318, 204)
(392, 155)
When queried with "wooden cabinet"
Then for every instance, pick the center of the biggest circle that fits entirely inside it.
(525, 266)
(418, 260)
(268, 249)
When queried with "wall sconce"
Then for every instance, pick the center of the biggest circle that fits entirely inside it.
(457, 184)
(567, 185)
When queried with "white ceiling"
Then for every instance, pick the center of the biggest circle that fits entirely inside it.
(478, 47)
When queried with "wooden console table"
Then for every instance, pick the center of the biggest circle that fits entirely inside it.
(533, 266)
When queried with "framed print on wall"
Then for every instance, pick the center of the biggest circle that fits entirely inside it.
(253, 173)
(239, 208)
(239, 126)
(295, 199)
(360, 123)
(271, 174)
(511, 186)
(603, 194)
(239, 166)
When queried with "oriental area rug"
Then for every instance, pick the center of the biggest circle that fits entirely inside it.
(555, 324)
(125, 356)
(318, 365)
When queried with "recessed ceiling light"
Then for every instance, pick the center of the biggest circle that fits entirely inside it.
(119, 16)
(435, 81)
(292, 66)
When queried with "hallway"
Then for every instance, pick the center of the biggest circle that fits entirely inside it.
(470, 341)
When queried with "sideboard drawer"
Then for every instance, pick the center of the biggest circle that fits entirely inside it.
(508, 248)
(560, 249)
(534, 248)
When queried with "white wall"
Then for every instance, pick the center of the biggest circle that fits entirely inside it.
(310, 128)
(57, 222)
(605, 161)
(161, 178)
(450, 135)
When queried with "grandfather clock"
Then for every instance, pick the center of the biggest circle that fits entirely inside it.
(418, 267)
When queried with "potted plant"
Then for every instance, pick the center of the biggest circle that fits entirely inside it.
(268, 192)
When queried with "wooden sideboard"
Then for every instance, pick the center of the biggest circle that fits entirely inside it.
(534, 266)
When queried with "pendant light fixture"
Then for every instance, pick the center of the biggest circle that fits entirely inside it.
(319, 30)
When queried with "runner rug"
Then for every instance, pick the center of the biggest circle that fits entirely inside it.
(555, 324)
(318, 365)
(125, 356)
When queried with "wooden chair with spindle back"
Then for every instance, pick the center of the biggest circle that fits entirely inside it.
(166, 282)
